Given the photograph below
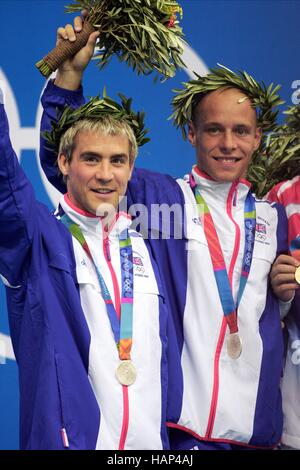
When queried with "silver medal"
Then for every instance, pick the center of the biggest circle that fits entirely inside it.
(234, 345)
(126, 372)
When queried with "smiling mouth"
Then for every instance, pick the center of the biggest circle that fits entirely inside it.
(227, 159)
(103, 191)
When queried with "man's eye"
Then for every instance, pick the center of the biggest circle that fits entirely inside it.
(241, 131)
(118, 161)
(213, 130)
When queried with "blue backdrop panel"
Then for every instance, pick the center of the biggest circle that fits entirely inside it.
(260, 36)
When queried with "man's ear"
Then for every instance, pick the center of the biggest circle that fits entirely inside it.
(131, 168)
(130, 174)
(191, 133)
(258, 137)
(63, 164)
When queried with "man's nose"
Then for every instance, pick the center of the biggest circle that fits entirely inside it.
(228, 142)
(104, 172)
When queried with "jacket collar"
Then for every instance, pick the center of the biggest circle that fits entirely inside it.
(219, 190)
(93, 224)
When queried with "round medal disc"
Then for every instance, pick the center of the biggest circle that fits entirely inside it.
(297, 275)
(126, 372)
(234, 345)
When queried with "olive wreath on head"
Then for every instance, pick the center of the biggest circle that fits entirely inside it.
(263, 99)
(95, 109)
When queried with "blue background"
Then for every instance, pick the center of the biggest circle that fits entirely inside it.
(261, 37)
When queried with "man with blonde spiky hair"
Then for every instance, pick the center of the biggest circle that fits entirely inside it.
(216, 275)
(90, 328)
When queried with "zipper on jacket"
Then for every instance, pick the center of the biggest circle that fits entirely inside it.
(231, 201)
(64, 438)
(107, 249)
(125, 420)
(63, 431)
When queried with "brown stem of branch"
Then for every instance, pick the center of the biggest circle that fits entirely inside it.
(64, 50)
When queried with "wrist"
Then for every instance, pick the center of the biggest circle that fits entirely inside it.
(284, 306)
(68, 79)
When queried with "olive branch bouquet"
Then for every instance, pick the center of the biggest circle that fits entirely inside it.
(143, 33)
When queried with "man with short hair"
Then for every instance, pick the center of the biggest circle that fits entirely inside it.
(233, 349)
(88, 320)
(216, 276)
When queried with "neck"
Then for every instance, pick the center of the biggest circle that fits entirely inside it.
(203, 174)
(110, 221)
(108, 213)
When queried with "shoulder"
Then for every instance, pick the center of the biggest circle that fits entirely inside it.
(158, 187)
(152, 177)
(273, 211)
(286, 192)
(50, 226)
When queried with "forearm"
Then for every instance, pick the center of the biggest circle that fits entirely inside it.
(54, 99)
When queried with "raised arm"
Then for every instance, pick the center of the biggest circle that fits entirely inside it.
(145, 187)
(65, 90)
(17, 203)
